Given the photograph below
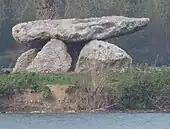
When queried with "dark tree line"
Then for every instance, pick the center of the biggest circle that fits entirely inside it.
(150, 45)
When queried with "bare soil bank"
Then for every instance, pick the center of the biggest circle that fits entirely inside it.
(60, 102)
(147, 89)
(30, 102)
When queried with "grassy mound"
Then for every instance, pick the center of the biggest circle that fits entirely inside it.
(145, 88)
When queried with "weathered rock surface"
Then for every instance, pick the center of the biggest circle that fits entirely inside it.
(75, 44)
(53, 58)
(24, 60)
(99, 55)
(76, 30)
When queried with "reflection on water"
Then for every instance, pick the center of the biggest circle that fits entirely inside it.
(86, 121)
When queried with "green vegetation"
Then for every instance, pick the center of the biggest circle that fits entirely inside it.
(138, 88)
(32, 81)
(149, 89)
(142, 88)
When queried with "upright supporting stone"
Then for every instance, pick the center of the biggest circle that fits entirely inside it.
(101, 56)
(24, 60)
(62, 40)
(53, 58)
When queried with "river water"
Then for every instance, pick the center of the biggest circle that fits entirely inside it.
(86, 121)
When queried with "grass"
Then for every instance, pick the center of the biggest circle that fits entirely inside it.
(33, 81)
(136, 88)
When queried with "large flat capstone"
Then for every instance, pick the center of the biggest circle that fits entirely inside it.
(77, 30)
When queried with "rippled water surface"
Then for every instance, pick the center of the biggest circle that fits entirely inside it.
(86, 121)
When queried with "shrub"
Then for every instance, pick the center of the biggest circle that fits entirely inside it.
(146, 89)
(46, 92)
(138, 88)
(95, 92)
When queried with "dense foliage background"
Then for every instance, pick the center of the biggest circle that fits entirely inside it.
(150, 45)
